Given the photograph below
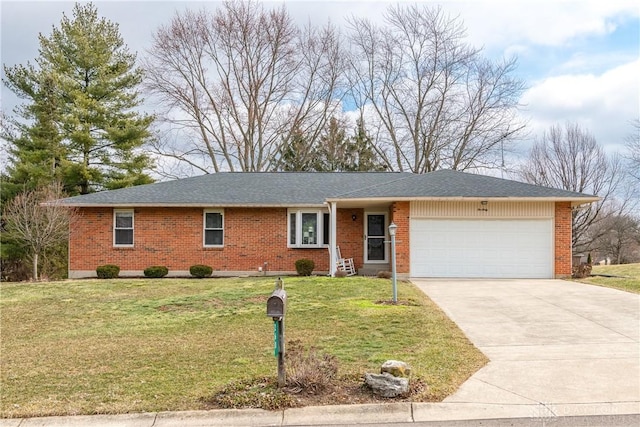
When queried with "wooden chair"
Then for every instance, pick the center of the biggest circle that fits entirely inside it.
(345, 264)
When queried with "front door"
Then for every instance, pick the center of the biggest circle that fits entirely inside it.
(375, 232)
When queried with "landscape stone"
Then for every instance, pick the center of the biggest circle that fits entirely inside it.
(386, 385)
(396, 368)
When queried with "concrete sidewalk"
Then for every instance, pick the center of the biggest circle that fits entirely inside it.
(346, 415)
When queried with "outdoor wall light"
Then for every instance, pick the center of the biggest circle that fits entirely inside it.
(392, 229)
(353, 217)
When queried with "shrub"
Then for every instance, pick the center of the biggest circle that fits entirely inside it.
(305, 266)
(156, 271)
(200, 270)
(384, 274)
(341, 273)
(582, 270)
(309, 371)
(107, 271)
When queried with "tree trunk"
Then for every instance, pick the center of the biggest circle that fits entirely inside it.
(35, 267)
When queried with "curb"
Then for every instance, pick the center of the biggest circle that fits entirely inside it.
(336, 415)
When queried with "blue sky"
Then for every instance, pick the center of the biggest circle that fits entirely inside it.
(580, 59)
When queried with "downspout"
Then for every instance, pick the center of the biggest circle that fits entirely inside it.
(332, 238)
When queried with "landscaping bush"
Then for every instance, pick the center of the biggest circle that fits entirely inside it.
(107, 271)
(200, 271)
(581, 271)
(341, 273)
(309, 371)
(156, 271)
(305, 266)
(384, 274)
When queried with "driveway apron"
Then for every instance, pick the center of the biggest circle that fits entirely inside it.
(550, 342)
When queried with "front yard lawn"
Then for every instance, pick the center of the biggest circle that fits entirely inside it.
(626, 277)
(131, 345)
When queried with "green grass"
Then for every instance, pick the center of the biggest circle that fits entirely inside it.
(627, 277)
(118, 346)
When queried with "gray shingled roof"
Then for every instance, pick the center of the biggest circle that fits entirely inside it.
(240, 189)
(454, 184)
(314, 188)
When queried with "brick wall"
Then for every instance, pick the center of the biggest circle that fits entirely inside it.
(174, 237)
(400, 216)
(350, 235)
(563, 249)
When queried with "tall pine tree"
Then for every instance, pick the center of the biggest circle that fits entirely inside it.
(79, 124)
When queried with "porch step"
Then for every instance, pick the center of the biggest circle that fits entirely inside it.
(373, 269)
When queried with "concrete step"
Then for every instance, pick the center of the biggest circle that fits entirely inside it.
(373, 269)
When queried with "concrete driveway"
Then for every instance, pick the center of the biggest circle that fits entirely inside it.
(553, 343)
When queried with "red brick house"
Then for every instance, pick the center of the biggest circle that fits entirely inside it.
(449, 224)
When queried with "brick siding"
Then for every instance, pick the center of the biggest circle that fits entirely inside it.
(252, 237)
(173, 237)
(350, 235)
(562, 238)
(400, 216)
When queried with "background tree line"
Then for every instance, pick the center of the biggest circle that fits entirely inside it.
(245, 88)
(250, 90)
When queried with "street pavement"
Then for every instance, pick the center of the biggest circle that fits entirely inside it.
(561, 354)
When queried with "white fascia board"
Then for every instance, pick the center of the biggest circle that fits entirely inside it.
(575, 201)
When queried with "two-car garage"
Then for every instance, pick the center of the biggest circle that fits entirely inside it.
(491, 240)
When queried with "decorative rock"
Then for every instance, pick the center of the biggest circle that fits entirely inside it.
(396, 368)
(386, 385)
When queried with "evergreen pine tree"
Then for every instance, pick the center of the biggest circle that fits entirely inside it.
(79, 125)
(362, 153)
(296, 155)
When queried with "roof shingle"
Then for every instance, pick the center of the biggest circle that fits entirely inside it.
(314, 188)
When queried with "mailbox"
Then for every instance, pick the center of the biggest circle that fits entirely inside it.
(277, 303)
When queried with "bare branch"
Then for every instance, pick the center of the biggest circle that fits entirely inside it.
(39, 221)
(437, 102)
(570, 158)
(245, 78)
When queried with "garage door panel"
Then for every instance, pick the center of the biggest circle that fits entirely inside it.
(481, 248)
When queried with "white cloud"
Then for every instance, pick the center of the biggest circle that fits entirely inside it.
(603, 104)
(515, 24)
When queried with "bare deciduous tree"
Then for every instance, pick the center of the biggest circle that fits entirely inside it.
(38, 221)
(570, 158)
(437, 102)
(238, 82)
(633, 147)
(619, 239)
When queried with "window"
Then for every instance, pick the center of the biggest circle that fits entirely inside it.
(123, 228)
(213, 228)
(308, 228)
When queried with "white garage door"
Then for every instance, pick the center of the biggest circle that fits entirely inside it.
(482, 248)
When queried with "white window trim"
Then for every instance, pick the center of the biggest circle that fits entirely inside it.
(204, 227)
(133, 228)
(320, 231)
